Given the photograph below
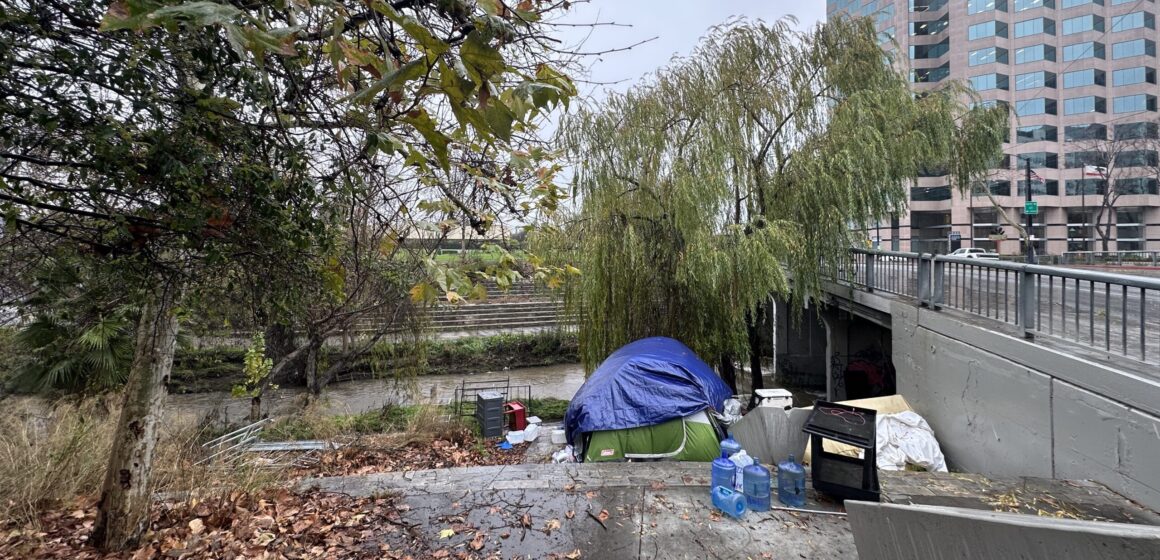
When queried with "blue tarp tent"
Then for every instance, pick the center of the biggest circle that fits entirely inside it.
(644, 383)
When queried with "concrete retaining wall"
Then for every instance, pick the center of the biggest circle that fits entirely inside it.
(1003, 406)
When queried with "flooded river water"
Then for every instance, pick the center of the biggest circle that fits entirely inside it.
(351, 397)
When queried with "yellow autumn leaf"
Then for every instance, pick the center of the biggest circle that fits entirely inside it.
(446, 533)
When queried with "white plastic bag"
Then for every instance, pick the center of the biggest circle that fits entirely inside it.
(905, 438)
(732, 412)
(563, 455)
(741, 459)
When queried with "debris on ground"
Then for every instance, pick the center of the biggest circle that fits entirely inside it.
(276, 523)
(378, 454)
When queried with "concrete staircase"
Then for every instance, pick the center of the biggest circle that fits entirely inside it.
(522, 308)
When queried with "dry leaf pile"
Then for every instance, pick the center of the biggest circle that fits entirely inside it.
(377, 454)
(279, 524)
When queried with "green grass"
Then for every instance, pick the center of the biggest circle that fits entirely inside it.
(389, 419)
(548, 409)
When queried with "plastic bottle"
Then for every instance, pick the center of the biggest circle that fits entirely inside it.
(791, 483)
(756, 486)
(730, 446)
(728, 501)
(723, 473)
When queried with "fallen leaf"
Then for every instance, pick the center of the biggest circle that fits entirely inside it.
(551, 525)
(570, 514)
(603, 516)
(570, 487)
(477, 541)
(78, 514)
(657, 485)
(573, 555)
(504, 535)
(441, 554)
(714, 516)
(446, 533)
(590, 494)
(196, 526)
(526, 520)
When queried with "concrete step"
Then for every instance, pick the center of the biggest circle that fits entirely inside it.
(521, 325)
(493, 313)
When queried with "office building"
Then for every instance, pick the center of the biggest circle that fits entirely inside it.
(1080, 79)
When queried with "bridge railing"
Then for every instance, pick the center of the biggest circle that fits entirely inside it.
(1116, 313)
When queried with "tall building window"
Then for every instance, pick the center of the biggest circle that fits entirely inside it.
(937, 50)
(1090, 22)
(1039, 106)
(1080, 132)
(987, 56)
(1076, 160)
(987, 29)
(1076, 187)
(1136, 185)
(1029, 27)
(927, 5)
(1087, 104)
(1134, 103)
(989, 81)
(932, 27)
(1049, 187)
(1137, 75)
(930, 193)
(1036, 133)
(1077, 51)
(1021, 5)
(930, 75)
(1137, 47)
(1136, 158)
(1137, 131)
(1073, 3)
(1035, 53)
(1032, 80)
(1130, 229)
(1135, 20)
(1049, 160)
(1080, 78)
(980, 6)
(1118, 2)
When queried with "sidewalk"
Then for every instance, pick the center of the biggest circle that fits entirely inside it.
(617, 510)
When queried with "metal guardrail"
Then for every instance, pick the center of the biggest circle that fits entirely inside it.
(1118, 258)
(1115, 313)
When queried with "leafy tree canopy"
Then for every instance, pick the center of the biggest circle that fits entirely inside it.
(706, 189)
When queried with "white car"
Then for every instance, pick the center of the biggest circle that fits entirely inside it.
(974, 253)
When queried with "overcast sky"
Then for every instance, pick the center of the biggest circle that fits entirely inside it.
(676, 24)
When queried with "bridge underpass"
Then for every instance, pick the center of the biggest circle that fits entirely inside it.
(1072, 392)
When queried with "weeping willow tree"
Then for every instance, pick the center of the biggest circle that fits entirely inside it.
(752, 161)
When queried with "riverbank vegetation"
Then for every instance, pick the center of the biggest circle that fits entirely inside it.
(759, 157)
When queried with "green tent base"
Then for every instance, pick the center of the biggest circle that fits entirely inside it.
(693, 438)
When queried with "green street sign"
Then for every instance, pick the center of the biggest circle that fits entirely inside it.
(1031, 208)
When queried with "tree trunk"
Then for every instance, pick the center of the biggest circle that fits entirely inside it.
(729, 372)
(256, 407)
(313, 384)
(756, 380)
(279, 344)
(123, 510)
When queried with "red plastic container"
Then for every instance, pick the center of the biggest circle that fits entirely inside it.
(517, 415)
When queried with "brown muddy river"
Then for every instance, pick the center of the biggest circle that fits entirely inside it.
(350, 397)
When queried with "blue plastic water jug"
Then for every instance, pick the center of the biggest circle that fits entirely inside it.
(723, 472)
(756, 486)
(730, 446)
(791, 483)
(728, 501)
